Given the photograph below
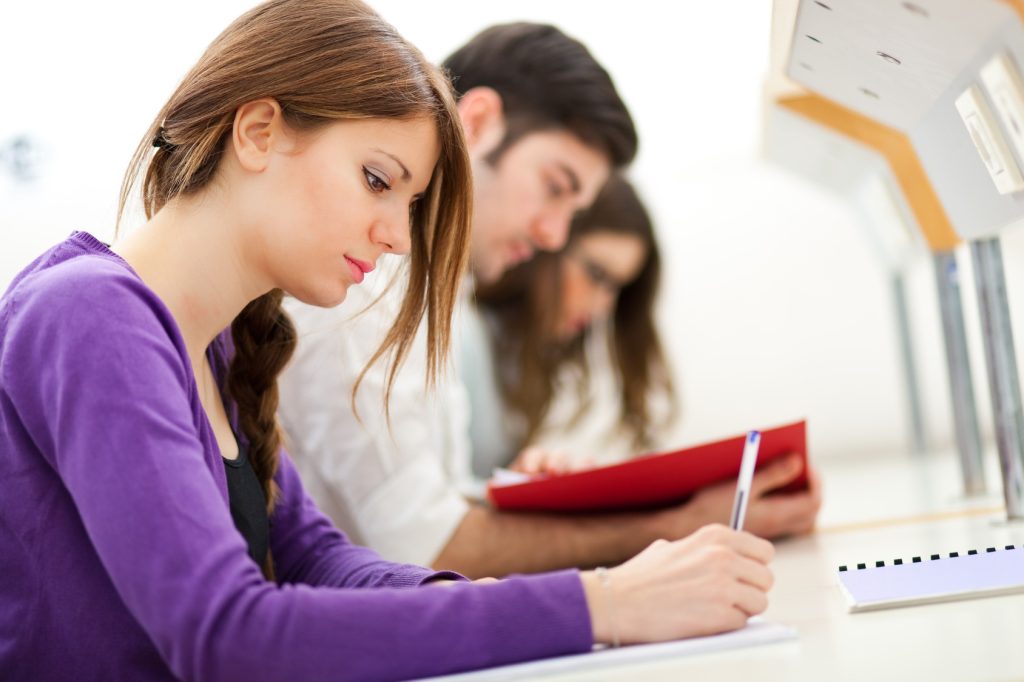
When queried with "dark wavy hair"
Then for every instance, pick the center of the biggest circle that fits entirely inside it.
(524, 305)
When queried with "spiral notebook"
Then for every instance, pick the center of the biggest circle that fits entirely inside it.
(976, 573)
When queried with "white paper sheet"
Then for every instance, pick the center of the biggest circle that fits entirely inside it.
(757, 632)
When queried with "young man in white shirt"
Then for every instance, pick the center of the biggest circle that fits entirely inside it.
(545, 128)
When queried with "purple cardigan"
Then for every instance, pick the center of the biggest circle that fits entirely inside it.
(118, 555)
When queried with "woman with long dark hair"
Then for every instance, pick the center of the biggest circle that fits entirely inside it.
(544, 317)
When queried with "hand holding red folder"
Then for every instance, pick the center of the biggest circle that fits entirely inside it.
(769, 514)
(652, 480)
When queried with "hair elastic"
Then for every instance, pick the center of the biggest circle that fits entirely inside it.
(160, 141)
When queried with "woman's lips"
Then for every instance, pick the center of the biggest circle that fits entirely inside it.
(519, 253)
(358, 268)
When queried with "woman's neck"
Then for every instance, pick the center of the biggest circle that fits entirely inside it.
(198, 261)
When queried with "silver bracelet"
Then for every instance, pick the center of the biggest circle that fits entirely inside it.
(605, 578)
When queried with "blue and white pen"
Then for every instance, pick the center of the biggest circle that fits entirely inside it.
(739, 506)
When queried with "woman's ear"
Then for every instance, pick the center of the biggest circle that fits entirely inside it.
(256, 127)
(483, 120)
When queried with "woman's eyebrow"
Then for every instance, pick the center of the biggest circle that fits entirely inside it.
(574, 179)
(406, 175)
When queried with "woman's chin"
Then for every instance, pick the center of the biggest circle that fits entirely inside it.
(337, 299)
(565, 337)
(324, 298)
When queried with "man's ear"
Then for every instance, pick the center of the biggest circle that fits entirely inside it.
(483, 120)
(257, 124)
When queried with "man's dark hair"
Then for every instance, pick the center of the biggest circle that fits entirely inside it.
(546, 80)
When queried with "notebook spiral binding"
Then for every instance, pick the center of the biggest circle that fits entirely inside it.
(917, 559)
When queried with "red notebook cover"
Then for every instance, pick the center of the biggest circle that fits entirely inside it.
(653, 480)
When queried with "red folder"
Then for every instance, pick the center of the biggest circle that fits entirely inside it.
(653, 480)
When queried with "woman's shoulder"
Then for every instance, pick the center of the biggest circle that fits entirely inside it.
(82, 317)
(80, 281)
(80, 304)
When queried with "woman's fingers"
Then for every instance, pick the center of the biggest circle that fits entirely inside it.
(754, 574)
(528, 460)
(538, 460)
(750, 600)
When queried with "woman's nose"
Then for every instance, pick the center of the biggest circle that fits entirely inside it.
(393, 232)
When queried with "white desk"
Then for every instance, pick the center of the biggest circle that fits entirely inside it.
(905, 507)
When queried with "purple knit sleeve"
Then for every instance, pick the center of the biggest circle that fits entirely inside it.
(308, 548)
(95, 377)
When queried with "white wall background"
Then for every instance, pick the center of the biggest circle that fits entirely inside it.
(774, 305)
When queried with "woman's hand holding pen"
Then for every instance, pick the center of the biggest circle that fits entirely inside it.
(709, 582)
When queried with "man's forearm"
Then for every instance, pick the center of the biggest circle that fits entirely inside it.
(493, 543)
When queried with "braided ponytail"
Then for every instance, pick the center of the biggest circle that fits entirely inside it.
(264, 340)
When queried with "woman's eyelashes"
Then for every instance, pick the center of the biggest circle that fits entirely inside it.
(555, 190)
(375, 182)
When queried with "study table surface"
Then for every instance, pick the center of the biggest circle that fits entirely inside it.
(876, 509)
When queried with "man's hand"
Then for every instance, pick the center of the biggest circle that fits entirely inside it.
(768, 516)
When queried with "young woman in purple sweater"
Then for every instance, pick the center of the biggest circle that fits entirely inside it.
(151, 526)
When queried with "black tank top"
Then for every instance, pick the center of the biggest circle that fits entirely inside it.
(248, 505)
